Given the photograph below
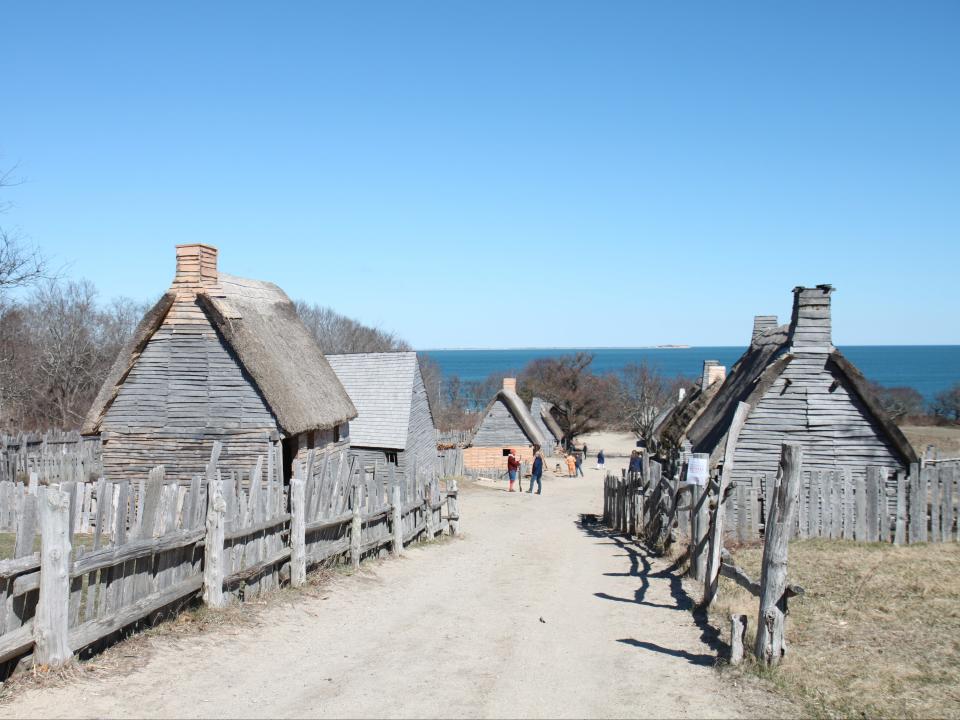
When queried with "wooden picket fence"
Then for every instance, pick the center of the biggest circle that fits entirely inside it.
(115, 556)
(55, 457)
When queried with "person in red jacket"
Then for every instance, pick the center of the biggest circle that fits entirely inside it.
(513, 466)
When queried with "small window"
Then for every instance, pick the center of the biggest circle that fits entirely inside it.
(336, 433)
(391, 457)
(506, 452)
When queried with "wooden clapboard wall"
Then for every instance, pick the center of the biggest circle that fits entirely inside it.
(812, 403)
(186, 390)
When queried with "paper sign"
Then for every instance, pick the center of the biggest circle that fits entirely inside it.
(698, 469)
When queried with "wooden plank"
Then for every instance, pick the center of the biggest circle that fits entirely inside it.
(900, 533)
(948, 476)
(935, 502)
(770, 641)
(213, 548)
(26, 527)
(873, 525)
(861, 501)
(356, 527)
(298, 551)
(51, 622)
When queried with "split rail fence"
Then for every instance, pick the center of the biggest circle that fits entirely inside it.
(115, 556)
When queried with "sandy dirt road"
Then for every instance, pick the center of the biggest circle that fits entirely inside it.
(529, 614)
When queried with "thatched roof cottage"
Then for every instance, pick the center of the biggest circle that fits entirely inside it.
(217, 358)
(800, 388)
(394, 424)
(549, 429)
(671, 429)
(506, 425)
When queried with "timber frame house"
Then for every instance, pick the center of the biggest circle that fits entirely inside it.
(800, 388)
(217, 358)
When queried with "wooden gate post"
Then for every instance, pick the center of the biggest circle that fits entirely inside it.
(213, 551)
(716, 530)
(699, 530)
(770, 645)
(397, 513)
(356, 526)
(453, 507)
(298, 533)
(51, 623)
(428, 504)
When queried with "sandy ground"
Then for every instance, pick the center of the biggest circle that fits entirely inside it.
(613, 444)
(530, 613)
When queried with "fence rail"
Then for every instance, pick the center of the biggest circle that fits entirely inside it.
(115, 555)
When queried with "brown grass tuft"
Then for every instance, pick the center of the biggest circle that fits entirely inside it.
(876, 635)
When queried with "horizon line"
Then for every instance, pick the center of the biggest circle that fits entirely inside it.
(659, 347)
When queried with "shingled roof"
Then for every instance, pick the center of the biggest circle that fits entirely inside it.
(259, 324)
(381, 387)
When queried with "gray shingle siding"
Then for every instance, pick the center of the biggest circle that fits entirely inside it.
(499, 428)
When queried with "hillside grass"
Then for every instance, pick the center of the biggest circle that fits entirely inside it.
(876, 635)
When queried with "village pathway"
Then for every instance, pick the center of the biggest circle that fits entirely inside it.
(531, 613)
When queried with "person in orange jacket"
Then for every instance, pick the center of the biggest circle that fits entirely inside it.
(571, 465)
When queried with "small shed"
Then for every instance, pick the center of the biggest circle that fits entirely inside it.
(800, 388)
(394, 424)
(506, 425)
(222, 358)
(549, 429)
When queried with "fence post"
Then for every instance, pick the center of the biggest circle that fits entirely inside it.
(716, 529)
(700, 529)
(51, 623)
(428, 502)
(298, 533)
(397, 510)
(770, 645)
(453, 506)
(738, 631)
(213, 551)
(356, 525)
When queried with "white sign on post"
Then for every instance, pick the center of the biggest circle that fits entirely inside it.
(698, 469)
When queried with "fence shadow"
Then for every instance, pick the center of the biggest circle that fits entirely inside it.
(641, 568)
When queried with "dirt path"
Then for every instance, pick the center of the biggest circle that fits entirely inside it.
(528, 615)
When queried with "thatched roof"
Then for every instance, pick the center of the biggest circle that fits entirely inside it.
(716, 412)
(755, 372)
(381, 386)
(545, 422)
(520, 414)
(259, 323)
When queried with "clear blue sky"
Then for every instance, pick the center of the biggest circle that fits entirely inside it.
(496, 174)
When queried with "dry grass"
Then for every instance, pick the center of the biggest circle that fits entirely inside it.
(877, 634)
(945, 437)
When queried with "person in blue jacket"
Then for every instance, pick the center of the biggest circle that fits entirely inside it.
(600, 460)
(536, 472)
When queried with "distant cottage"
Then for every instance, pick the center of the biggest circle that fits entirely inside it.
(549, 428)
(506, 425)
(217, 358)
(394, 424)
(800, 388)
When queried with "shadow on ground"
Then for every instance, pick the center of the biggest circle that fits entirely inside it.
(641, 568)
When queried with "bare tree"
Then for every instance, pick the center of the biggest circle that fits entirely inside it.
(578, 396)
(20, 263)
(336, 333)
(645, 394)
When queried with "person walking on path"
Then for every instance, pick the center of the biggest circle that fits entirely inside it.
(571, 465)
(513, 466)
(635, 463)
(578, 461)
(600, 460)
(537, 472)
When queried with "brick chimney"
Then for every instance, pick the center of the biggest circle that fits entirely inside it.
(510, 384)
(196, 267)
(713, 371)
(762, 323)
(810, 327)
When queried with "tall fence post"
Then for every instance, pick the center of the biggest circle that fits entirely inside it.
(51, 622)
(397, 510)
(770, 645)
(716, 530)
(428, 505)
(453, 506)
(213, 550)
(356, 526)
(298, 533)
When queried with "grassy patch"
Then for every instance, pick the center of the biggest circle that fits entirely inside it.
(877, 634)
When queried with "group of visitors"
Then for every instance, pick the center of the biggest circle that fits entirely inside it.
(536, 471)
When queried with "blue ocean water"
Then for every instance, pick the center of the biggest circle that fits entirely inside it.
(927, 368)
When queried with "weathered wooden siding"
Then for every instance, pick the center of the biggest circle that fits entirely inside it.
(422, 434)
(500, 429)
(811, 403)
(184, 391)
